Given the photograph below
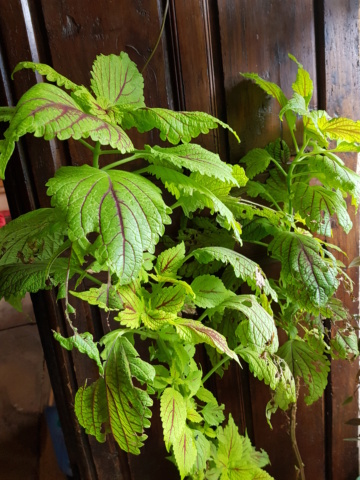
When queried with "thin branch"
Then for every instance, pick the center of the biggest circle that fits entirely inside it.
(159, 37)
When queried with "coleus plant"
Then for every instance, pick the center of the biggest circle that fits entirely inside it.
(97, 243)
(184, 292)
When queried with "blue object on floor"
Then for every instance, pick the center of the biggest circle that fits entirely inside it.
(57, 437)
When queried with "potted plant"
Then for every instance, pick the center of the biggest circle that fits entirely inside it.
(107, 228)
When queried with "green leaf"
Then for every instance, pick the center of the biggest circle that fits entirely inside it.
(195, 332)
(341, 129)
(91, 409)
(33, 236)
(275, 91)
(303, 84)
(317, 205)
(206, 396)
(257, 161)
(49, 112)
(173, 415)
(213, 414)
(191, 196)
(117, 79)
(169, 261)
(237, 458)
(304, 267)
(168, 299)
(105, 297)
(309, 364)
(125, 209)
(344, 345)
(332, 173)
(203, 453)
(279, 150)
(84, 343)
(244, 268)
(6, 113)
(273, 371)
(185, 452)
(48, 72)
(156, 319)
(173, 126)
(209, 291)
(134, 307)
(296, 104)
(128, 405)
(258, 330)
(269, 87)
(18, 279)
(192, 157)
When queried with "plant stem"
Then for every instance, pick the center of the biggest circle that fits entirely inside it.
(294, 444)
(96, 155)
(121, 162)
(279, 167)
(86, 144)
(213, 370)
(159, 37)
(110, 152)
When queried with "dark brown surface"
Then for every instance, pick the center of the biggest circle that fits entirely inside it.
(206, 44)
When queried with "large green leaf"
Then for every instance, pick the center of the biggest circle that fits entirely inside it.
(273, 371)
(244, 268)
(195, 332)
(341, 129)
(192, 196)
(18, 279)
(192, 157)
(173, 415)
(173, 126)
(309, 363)
(317, 205)
(128, 405)
(47, 111)
(125, 209)
(258, 330)
(33, 236)
(209, 291)
(117, 79)
(332, 173)
(50, 74)
(304, 267)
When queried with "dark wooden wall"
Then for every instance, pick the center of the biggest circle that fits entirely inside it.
(206, 43)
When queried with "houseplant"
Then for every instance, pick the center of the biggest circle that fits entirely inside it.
(107, 227)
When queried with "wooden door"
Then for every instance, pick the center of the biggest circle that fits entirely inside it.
(204, 47)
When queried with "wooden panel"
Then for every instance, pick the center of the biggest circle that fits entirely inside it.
(256, 38)
(342, 91)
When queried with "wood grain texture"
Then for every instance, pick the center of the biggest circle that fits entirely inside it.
(342, 90)
(256, 36)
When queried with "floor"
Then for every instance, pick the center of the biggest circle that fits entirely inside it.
(26, 451)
